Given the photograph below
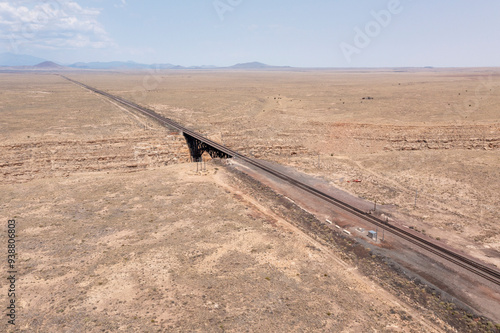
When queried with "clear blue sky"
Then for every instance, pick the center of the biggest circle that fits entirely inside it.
(302, 33)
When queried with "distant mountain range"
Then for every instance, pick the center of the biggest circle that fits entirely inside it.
(27, 61)
(135, 65)
(117, 65)
(14, 60)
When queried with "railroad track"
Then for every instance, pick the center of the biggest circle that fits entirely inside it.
(489, 273)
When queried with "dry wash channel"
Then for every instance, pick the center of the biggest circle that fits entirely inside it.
(29, 160)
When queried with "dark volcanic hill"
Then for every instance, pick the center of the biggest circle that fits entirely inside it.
(255, 65)
(48, 65)
(250, 65)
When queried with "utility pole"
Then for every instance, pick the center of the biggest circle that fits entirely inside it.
(416, 194)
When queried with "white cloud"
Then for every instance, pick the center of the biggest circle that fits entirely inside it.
(50, 24)
(122, 4)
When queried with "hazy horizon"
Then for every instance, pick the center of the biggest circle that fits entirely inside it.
(209, 66)
(341, 34)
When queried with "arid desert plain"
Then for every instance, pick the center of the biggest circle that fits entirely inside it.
(118, 231)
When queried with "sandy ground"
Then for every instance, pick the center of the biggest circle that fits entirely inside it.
(433, 133)
(167, 249)
(142, 243)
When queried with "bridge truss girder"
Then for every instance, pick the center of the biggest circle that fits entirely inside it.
(197, 148)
